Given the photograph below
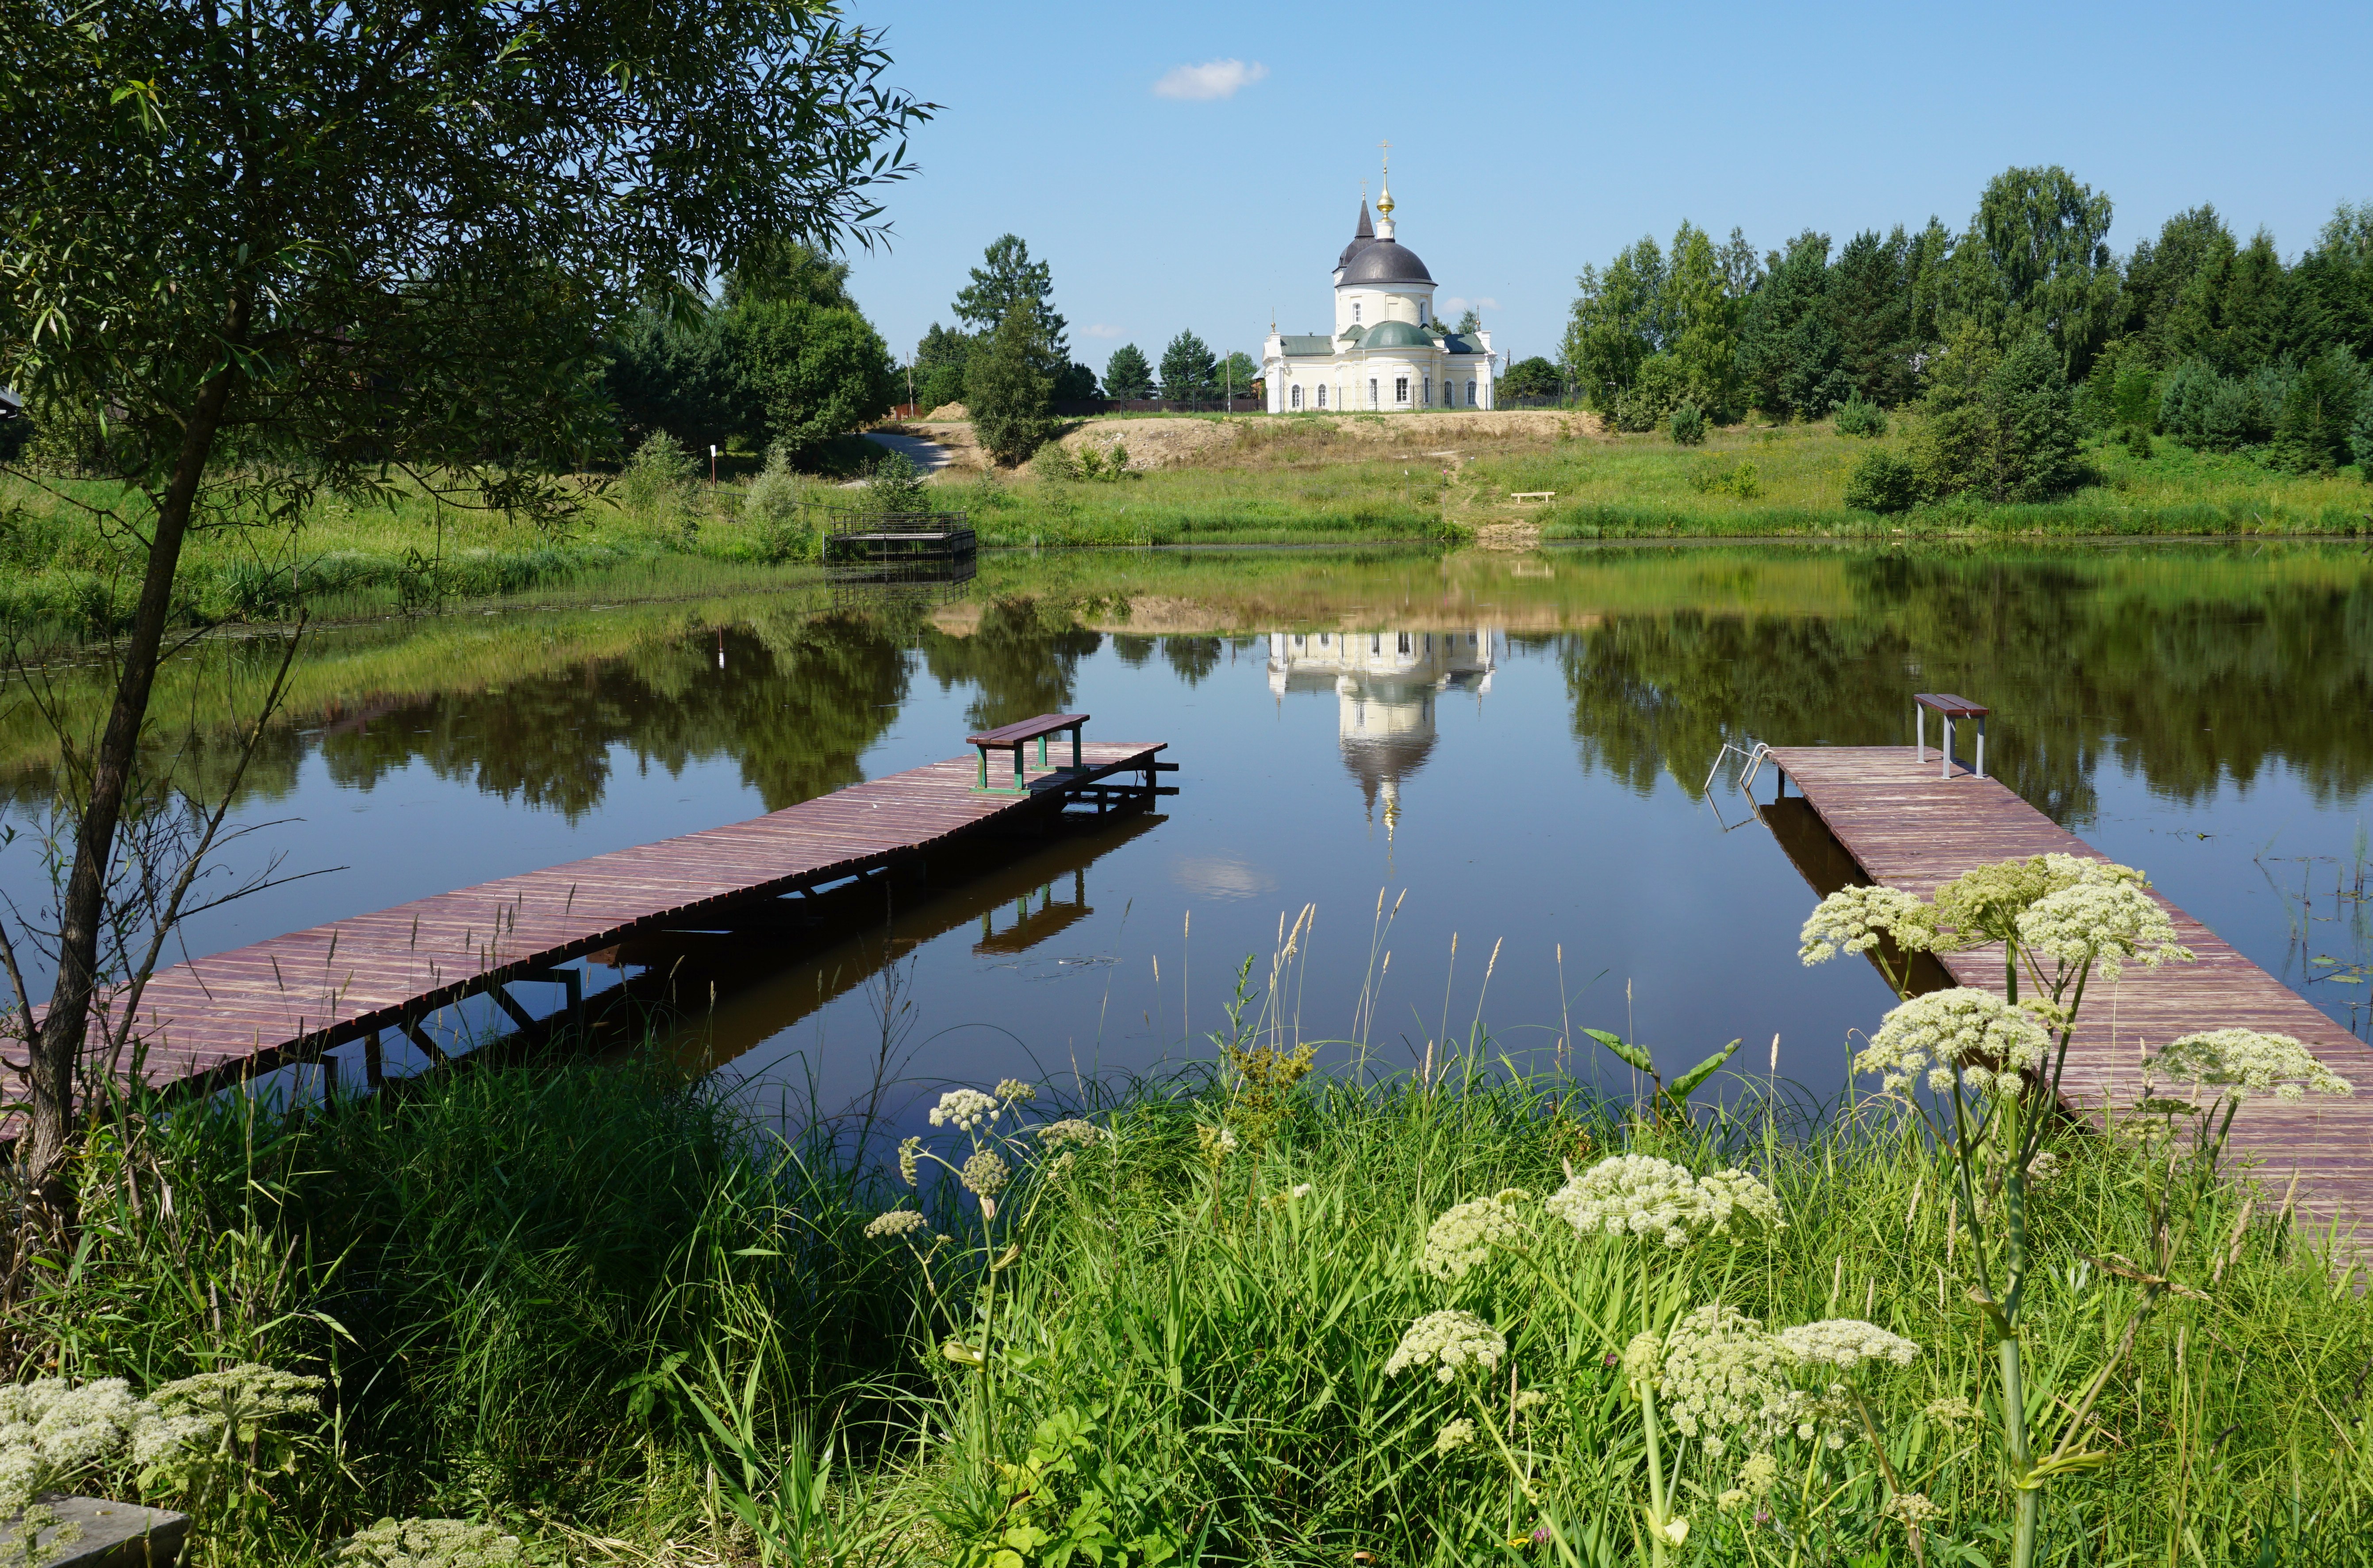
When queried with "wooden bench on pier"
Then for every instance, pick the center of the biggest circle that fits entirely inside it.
(1019, 735)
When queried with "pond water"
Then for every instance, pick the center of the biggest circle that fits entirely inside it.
(1506, 756)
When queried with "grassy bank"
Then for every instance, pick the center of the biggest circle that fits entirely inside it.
(65, 577)
(1297, 480)
(597, 1308)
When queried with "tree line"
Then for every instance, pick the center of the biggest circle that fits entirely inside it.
(2012, 337)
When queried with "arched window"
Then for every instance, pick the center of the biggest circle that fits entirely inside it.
(1421, 312)
(1355, 312)
(1429, 391)
(1322, 397)
(1297, 394)
(1470, 394)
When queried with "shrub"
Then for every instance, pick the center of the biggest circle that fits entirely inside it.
(2360, 436)
(1709, 476)
(2136, 438)
(1858, 417)
(1659, 387)
(2001, 426)
(897, 486)
(660, 477)
(1883, 482)
(1689, 425)
(1053, 464)
(775, 506)
(1008, 386)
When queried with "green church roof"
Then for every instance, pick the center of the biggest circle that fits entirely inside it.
(1397, 335)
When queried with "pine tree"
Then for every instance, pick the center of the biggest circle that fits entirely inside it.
(1008, 278)
(1870, 309)
(1127, 374)
(1189, 371)
(1008, 386)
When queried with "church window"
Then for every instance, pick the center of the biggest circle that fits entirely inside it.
(1297, 394)
(1322, 397)
(1421, 312)
(1355, 312)
(1405, 642)
(1429, 391)
(1400, 389)
(1375, 642)
(1470, 394)
(1372, 394)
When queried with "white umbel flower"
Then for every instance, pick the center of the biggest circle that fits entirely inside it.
(1853, 920)
(1454, 1435)
(1640, 1195)
(53, 1433)
(1846, 1342)
(1072, 1131)
(1466, 1234)
(1722, 1374)
(1450, 1342)
(896, 1223)
(2107, 918)
(2242, 1062)
(965, 1109)
(1635, 1193)
(985, 1173)
(1016, 1091)
(1974, 1034)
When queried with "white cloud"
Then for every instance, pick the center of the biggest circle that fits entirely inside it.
(1455, 304)
(1213, 78)
(1100, 330)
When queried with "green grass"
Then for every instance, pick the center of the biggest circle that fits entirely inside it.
(67, 577)
(519, 1280)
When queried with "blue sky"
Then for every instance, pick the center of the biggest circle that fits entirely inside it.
(1198, 167)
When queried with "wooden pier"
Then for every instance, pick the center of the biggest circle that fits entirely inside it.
(1904, 826)
(219, 1019)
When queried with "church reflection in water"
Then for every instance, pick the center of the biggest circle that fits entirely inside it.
(1386, 684)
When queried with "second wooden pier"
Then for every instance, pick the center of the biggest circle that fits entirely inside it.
(1907, 827)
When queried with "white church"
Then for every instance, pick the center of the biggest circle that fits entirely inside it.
(1389, 354)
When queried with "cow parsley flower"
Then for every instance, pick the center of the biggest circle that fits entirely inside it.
(427, 1543)
(1990, 1044)
(1644, 1196)
(241, 1399)
(1449, 1341)
(1072, 1131)
(909, 1154)
(964, 1109)
(1914, 1508)
(1760, 1474)
(1952, 1410)
(2242, 1062)
(2105, 917)
(985, 1173)
(1853, 920)
(1454, 1435)
(53, 1432)
(1634, 1193)
(1015, 1091)
(1739, 1203)
(1643, 1361)
(1466, 1234)
(1722, 1373)
(897, 1223)
(1846, 1342)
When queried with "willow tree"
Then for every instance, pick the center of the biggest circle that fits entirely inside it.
(267, 248)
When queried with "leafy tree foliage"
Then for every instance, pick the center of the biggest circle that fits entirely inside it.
(1127, 374)
(1238, 371)
(1189, 369)
(2036, 260)
(809, 372)
(1616, 323)
(1008, 386)
(2312, 430)
(1535, 377)
(1790, 358)
(2000, 426)
(676, 373)
(1007, 277)
(263, 252)
(1870, 309)
(940, 362)
(1470, 320)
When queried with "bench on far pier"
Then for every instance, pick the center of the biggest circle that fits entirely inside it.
(1019, 735)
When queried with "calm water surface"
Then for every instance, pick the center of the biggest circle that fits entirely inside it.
(1511, 751)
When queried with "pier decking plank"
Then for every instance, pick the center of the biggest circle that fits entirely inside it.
(1907, 828)
(230, 1014)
